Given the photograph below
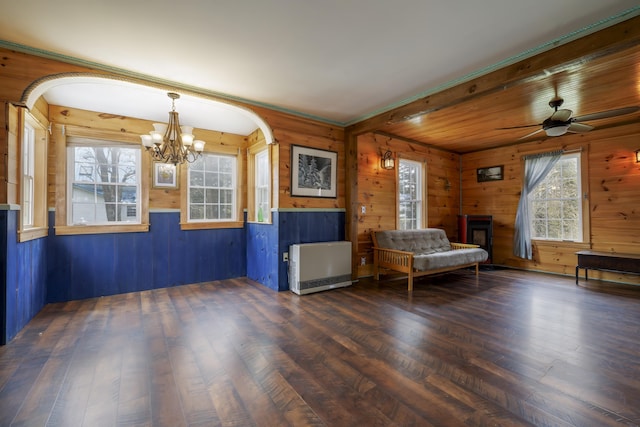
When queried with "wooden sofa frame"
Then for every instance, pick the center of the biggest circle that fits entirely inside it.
(402, 261)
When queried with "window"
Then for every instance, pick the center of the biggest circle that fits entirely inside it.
(212, 191)
(33, 179)
(103, 183)
(262, 186)
(28, 174)
(556, 205)
(410, 195)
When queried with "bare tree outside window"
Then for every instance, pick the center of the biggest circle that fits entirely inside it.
(104, 185)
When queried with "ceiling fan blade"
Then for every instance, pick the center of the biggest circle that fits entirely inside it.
(561, 115)
(519, 127)
(531, 134)
(579, 128)
(606, 114)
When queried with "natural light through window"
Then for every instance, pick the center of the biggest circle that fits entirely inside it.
(103, 184)
(212, 188)
(410, 195)
(555, 204)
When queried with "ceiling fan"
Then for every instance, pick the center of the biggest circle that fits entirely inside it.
(561, 122)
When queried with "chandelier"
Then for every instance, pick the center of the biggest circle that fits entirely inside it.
(172, 143)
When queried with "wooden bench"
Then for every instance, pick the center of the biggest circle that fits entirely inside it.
(607, 261)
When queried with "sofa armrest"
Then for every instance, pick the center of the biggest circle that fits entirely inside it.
(455, 246)
(392, 258)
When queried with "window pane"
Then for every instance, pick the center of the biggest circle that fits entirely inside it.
(196, 178)
(197, 195)
(211, 179)
(409, 194)
(555, 204)
(197, 212)
(103, 184)
(206, 191)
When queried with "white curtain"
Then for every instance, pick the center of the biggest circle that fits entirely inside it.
(536, 168)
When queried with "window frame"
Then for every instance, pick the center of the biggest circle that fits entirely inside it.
(422, 191)
(61, 134)
(583, 191)
(259, 149)
(38, 226)
(237, 222)
(71, 160)
(262, 167)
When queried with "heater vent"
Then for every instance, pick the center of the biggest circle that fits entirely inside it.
(315, 267)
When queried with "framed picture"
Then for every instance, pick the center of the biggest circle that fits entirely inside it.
(313, 172)
(493, 173)
(165, 175)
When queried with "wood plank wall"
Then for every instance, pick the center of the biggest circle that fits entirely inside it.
(291, 130)
(19, 70)
(613, 195)
(377, 190)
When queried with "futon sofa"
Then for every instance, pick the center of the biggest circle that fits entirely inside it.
(422, 252)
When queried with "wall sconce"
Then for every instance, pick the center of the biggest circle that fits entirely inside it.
(387, 161)
(638, 156)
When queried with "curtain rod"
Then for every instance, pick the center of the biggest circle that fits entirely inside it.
(549, 153)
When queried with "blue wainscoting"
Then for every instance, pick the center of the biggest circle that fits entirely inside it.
(4, 251)
(65, 268)
(262, 252)
(86, 266)
(306, 226)
(23, 276)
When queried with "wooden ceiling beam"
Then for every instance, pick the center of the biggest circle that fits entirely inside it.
(610, 40)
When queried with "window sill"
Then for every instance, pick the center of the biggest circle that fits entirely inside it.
(32, 233)
(561, 243)
(207, 225)
(101, 229)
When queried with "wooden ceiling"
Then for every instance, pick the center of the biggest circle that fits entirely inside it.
(597, 73)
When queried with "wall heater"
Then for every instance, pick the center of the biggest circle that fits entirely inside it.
(315, 267)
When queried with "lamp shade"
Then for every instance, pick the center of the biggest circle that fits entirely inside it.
(557, 130)
(387, 161)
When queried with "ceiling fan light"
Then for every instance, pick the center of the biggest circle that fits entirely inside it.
(557, 130)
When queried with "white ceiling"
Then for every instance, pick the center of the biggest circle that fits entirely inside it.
(336, 60)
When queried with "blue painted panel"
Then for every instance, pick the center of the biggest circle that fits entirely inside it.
(306, 227)
(160, 248)
(24, 277)
(262, 253)
(85, 266)
(3, 277)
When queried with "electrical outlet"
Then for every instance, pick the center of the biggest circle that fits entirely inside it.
(285, 256)
(363, 209)
(363, 261)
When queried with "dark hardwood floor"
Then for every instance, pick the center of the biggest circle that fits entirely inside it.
(509, 348)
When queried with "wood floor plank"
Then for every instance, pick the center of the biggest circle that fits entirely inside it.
(507, 348)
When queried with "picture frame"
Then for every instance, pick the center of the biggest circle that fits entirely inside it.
(313, 172)
(491, 173)
(165, 175)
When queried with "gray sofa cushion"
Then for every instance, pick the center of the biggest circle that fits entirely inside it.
(437, 260)
(424, 241)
